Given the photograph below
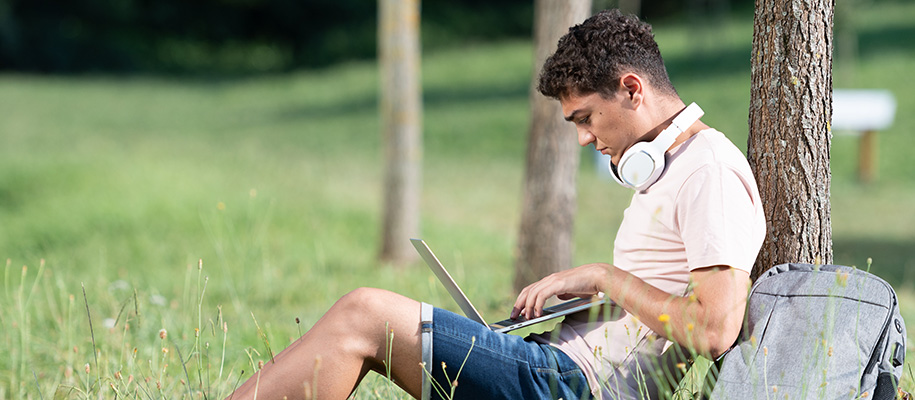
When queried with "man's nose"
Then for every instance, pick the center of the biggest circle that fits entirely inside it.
(585, 137)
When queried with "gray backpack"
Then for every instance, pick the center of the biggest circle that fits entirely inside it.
(816, 332)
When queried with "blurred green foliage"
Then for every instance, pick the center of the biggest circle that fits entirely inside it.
(254, 36)
(225, 36)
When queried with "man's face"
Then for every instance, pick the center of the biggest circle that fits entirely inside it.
(601, 121)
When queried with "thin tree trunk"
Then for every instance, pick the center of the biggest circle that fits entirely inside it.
(548, 209)
(789, 142)
(401, 115)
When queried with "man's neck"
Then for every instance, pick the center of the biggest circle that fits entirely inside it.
(672, 110)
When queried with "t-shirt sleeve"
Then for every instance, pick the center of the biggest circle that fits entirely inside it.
(718, 216)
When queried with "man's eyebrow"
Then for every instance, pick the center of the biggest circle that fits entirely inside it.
(572, 115)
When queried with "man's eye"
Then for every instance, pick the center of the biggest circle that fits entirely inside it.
(585, 120)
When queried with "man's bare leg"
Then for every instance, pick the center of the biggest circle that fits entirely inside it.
(349, 340)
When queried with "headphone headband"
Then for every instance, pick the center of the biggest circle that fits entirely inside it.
(642, 164)
(680, 124)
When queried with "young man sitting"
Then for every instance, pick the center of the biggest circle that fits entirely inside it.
(680, 270)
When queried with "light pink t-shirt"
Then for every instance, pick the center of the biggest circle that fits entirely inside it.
(703, 211)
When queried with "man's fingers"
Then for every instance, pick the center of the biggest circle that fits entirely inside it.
(541, 302)
(536, 301)
(529, 304)
(521, 302)
(516, 312)
(532, 298)
(518, 306)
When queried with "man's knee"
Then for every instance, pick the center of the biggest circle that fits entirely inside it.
(364, 311)
(360, 319)
(362, 300)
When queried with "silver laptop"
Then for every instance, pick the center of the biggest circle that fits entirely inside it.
(507, 325)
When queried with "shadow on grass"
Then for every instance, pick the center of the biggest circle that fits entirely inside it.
(431, 98)
(893, 259)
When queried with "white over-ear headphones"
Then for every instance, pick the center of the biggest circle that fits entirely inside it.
(643, 163)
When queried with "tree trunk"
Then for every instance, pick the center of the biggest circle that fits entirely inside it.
(401, 114)
(790, 110)
(548, 209)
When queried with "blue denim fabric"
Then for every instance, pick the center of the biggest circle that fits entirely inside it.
(500, 366)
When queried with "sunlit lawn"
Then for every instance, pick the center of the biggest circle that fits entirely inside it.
(113, 188)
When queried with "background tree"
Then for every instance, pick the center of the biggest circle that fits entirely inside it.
(401, 114)
(548, 208)
(789, 142)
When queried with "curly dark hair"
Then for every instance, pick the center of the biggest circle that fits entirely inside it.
(593, 55)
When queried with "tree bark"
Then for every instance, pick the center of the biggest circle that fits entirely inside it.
(548, 206)
(401, 114)
(789, 142)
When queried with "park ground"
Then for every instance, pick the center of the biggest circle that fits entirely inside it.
(162, 234)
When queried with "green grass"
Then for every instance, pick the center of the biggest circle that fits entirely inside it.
(121, 184)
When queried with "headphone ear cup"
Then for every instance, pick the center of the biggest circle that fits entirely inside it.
(657, 170)
(643, 163)
(614, 172)
(640, 165)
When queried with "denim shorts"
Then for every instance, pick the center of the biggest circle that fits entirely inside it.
(498, 366)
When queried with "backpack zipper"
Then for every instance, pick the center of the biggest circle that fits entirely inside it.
(884, 333)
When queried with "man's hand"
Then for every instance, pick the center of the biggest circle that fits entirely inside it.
(583, 281)
(706, 320)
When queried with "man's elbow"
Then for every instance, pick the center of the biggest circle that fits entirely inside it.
(720, 338)
(717, 345)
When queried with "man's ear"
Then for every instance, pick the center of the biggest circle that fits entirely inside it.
(634, 87)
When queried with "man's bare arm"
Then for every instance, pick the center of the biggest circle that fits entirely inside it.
(707, 320)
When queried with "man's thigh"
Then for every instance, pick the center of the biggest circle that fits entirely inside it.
(480, 363)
